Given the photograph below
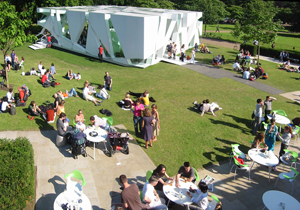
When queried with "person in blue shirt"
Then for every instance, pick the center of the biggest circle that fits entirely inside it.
(13, 56)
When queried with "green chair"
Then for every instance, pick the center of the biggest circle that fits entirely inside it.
(236, 152)
(296, 133)
(265, 125)
(148, 175)
(293, 160)
(196, 174)
(74, 123)
(290, 176)
(109, 121)
(239, 166)
(75, 186)
(280, 112)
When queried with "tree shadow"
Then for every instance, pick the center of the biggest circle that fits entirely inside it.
(294, 102)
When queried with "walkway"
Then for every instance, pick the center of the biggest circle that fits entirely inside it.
(218, 73)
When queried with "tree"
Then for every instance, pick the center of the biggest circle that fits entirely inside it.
(12, 26)
(236, 12)
(213, 10)
(259, 22)
(236, 32)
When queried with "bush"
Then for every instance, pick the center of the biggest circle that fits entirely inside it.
(252, 48)
(17, 173)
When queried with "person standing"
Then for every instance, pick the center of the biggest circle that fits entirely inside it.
(193, 56)
(182, 53)
(268, 105)
(285, 139)
(156, 125)
(270, 136)
(218, 29)
(101, 54)
(13, 56)
(258, 114)
(49, 41)
(147, 123)
(107, 81)
(137, 109)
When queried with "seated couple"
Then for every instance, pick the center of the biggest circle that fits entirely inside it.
(70, 75)
(205, 107)
(144, 97)
(87, 95)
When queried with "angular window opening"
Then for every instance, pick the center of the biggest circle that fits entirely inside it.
(191, 44)
(118, 52)
(83, 36)
(65, 26)
(105, 51)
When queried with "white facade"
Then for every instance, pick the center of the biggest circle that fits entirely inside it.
(130, 36)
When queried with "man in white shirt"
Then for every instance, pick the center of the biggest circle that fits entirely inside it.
(103, 93)
(40, 66)
(99, 122)
(77, 76)
(236, 66)
(150, 196)
(10, 97)
(5, 106)
(8, 61)
(87, 96)
(258, 114)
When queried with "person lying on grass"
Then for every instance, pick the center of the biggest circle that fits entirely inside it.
(87, 95)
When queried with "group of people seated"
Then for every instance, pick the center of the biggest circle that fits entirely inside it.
(19, 98)
(70, 75)
(203, 48)
(244, 54)
(153, 196)
(218, 60)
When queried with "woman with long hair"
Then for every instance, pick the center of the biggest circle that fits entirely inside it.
(259, 138)
(147, 123)
(285, 139)
(156, 125)
(160, 172)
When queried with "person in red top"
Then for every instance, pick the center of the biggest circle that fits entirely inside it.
(21, 101)
(49, 41)
(50, 114)
(101, 53)
(44, 79)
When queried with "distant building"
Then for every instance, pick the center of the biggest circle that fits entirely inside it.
(130, 36)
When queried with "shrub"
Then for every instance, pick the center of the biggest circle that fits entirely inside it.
(252, 48)
(16, 173)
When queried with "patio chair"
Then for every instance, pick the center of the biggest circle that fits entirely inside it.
(75, 187)
(293, 160)
(280, 112)
(196, 175)
(212, 205)
(265, 125)
(109, 121)
(236, 152)
(148, 175)
(239, 166)
(296, 133)
(290, 176)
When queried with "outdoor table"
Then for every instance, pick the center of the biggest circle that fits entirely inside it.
(100, 136)
(274, 199)
(80, 201)
(178, 195)
(263, 159)
(282, 120)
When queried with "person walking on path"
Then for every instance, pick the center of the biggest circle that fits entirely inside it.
(101, 53)
(218, 29)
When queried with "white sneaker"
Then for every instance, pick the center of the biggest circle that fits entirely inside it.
(108, 96)
(195, 102)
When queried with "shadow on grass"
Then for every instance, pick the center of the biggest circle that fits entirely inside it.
(244, 121)
(294, 102)
(218, 122)
(193, 110)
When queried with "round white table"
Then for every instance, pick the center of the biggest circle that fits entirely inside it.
(263, 159)
(100, 136)
(178, 195)
(72, 199)
(282, 120)
(273, 200)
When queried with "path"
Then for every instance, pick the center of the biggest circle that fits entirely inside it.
(219, 42)
(218, 73)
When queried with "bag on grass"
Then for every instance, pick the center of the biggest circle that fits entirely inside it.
(27, 73)
(265, 76)
(46, 84)
(13, 110)
(53, 84)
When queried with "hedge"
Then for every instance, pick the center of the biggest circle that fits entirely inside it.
(17, 173)
(266, 51)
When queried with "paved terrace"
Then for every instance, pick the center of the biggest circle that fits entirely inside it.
(101, 175)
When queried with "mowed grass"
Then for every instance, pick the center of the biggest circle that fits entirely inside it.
(184, 135)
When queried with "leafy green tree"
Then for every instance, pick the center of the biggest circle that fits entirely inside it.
(213, 10)
(259, 22)
(12, 26)
(236, 12)
(237, 31)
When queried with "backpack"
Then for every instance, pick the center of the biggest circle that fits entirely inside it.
(27, 73)
(265, 76)
(13, 110)
(53, 84)
(25, 97)
(45, 85)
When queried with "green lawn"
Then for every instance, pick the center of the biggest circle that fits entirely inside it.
(184, 135)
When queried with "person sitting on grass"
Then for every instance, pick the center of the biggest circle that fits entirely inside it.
(52, 69)
(202, 198)
(5, 106)
(127, 102)
(196, 48)
(45, 81)
(185, 172)
(103, 93)
(60, 108)
(87, 96)
(32, 71)
(207, 108)
(62, 125)
(258, 140)
(145, 98)
(286, 65)
(69, 75)
(21, 101)
(236, 66)
(77, 76)
(246, 74)
(10, 96)
(222, 60)
(26, 90)
(199, 107)
(50, 75)
(50, 114)
(34, 110)
(151, 197)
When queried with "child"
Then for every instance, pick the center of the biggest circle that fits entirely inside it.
(285, 139)
(260, 138)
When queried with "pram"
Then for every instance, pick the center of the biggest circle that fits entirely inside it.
(78, 144)
(118, 141)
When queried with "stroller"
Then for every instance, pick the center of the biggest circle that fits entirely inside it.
(78, 144)
(118, 141)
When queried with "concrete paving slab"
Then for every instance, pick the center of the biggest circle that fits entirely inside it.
(294, 96)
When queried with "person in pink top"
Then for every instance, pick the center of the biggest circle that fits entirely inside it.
(137, 109)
